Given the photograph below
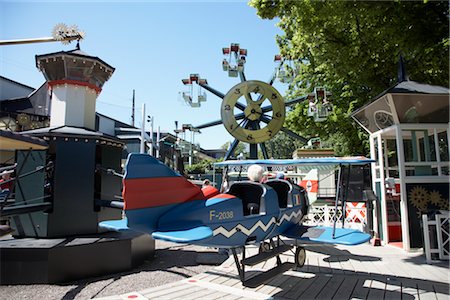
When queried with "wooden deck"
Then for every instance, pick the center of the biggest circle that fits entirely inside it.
(330, 272)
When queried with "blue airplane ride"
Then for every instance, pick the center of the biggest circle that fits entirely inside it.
(161, 202)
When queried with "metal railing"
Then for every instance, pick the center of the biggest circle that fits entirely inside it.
(324, 215)
(436, 235)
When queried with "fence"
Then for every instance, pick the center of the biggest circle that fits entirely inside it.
(436, 235)
(323, 215)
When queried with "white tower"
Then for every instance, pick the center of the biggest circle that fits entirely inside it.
(75, 79)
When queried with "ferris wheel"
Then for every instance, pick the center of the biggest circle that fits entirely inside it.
(252, 111)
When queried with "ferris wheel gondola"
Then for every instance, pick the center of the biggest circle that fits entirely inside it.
(285, 70)
(319, 105)
(188, 95)
(234, 61)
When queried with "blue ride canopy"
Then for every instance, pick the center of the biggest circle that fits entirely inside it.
(351, 160)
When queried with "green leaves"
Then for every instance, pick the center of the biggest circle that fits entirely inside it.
(352, 48)
(199, 168)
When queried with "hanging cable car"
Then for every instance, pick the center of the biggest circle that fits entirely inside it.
(188, 95)
(234, 61)
(284, 71)
(319, 105)
(312, 108)
(233, 71)
(225, 65)
(201, 93)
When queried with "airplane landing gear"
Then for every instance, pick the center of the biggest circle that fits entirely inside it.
(267, 250)
(300, 257)
(264, 247)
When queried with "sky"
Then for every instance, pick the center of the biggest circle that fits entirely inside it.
(152, 45)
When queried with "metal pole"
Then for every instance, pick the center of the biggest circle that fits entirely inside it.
(338, 191)
(190, 150)
(132, 111)
(142, 150)
(39, 40)
(175, 148)
(344, 199)
(151, 136)
(158, 135)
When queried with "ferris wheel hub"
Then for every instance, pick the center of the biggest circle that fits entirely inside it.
(253, 112)
(256, 93)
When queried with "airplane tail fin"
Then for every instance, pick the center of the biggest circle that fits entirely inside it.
(150, 189)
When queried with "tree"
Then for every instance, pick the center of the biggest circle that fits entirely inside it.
(240, 148)
(352, 48)
(282, 146)
(199, 168)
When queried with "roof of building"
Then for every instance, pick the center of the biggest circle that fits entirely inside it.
(408, 87)
(15, 141)
(18, 83)
(75, 52)
(414, 87)
(71, 130)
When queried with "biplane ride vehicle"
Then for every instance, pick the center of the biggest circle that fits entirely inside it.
(169, 207)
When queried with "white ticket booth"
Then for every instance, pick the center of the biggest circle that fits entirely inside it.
(409, 139)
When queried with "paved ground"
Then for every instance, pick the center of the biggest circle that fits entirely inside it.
(172, 263)
(330, 272)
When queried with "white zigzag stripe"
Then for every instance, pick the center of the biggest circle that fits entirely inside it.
(285, 217)
(259, 224)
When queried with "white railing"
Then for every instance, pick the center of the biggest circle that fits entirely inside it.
(323, 215)
(436, 236)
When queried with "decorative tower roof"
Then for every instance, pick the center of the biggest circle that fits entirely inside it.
(75, 67)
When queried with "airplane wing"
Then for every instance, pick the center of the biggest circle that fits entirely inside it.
(177, 236)
(184, 236)
(114, 225)
(321, 234)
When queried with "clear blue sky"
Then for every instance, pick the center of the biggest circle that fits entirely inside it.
(152, 45)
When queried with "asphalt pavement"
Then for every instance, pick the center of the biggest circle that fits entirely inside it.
(172, 262)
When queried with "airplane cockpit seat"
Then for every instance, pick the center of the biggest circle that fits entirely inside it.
(250, 193)
(209, 191)
(283, 189)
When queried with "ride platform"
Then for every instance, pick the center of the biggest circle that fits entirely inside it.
(330, 272)
(32, 260)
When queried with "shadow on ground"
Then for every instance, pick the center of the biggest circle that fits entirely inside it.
(178, 261)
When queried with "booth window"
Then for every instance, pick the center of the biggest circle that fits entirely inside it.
(420, 151)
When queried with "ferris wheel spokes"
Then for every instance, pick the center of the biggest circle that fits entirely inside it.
(212, 90)
(258, 101)
(262, 145)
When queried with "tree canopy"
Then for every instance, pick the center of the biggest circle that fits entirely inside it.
(240, 148)
(353, 48)
(281, 146)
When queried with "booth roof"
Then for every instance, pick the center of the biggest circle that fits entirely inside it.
(354, 160)
(408, 87)
(72, 131)
(416, 88)
(14, 141)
